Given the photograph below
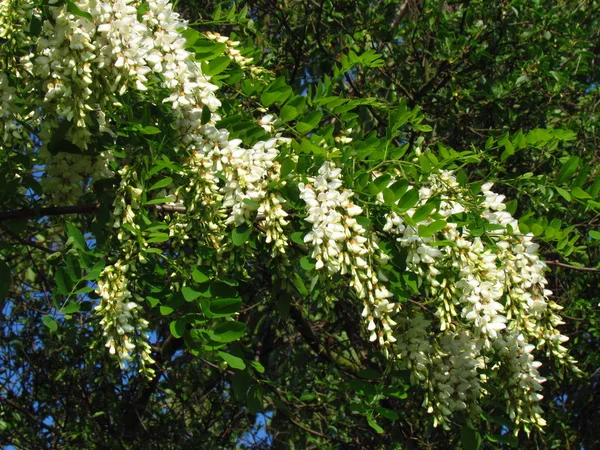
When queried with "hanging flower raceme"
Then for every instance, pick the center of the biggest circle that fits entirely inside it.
(119, 310)
(124, 329)
(489, 298)
(339, 244)
(87, 63)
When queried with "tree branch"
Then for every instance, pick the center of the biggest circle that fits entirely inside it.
(569, 266)
(27, 413)
(25, 242)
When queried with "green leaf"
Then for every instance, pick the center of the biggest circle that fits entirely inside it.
(409, 199)
(470, 438)
(277, 91)
(423, 212)
(74, 9)
(206, 115)
(429, 230)
(395, 391)
(161, 184)
(564, 193)
(71, 308)
(580, 193)
(234, 362)
(306, 263)
(297, 237)
(240, 381)
(149, 129)
(387, 413)
(287, 166)
(568, 169)
(217, 65)
(307, 396)
(240, 235)
(288, 113)
(389, 198)
(222, 307)
(257, 366)
(155, 238)
(152, 301)
(158, 201)
(595, 234)
(299, 284)
(78, 239)
(177, 328)
(189, 294)
(83, 290)
(309, 122)
(425, 163)
(200, 274)
(255, 396)
(165, 310)
(50, 323)
(63, 281)
(229, 331)
(94, 272)
(35, 26)
(373, 424)
(503, 438)
(206, 50)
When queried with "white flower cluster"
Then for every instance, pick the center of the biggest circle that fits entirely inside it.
(247, 175)
(13, 19)
(338, 244)
(527, 299)
(231, 182)
(14, 16)
(124, 330)
(235, 55)
(230, 47)
(86, 65)
(68, 175)
(129, 195)
(447, 367)
(10, 129)
(522, 393)
(491, 294)
(273, 220)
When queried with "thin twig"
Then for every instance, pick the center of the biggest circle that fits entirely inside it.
(24, 242)
(27, 413)
(569, 266)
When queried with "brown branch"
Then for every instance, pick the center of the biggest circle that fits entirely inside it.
(24, 242)
(133, 415)
(27, 413)
(400, 15)
(308, 334)
(288, 414)
(569, 266)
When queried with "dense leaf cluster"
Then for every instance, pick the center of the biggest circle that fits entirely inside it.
(252, 346)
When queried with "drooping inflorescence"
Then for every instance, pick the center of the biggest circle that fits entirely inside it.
(491, 303)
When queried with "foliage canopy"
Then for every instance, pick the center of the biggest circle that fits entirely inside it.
(326, 217)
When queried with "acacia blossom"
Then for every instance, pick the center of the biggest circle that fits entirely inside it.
(493, 297)
(338, 244)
